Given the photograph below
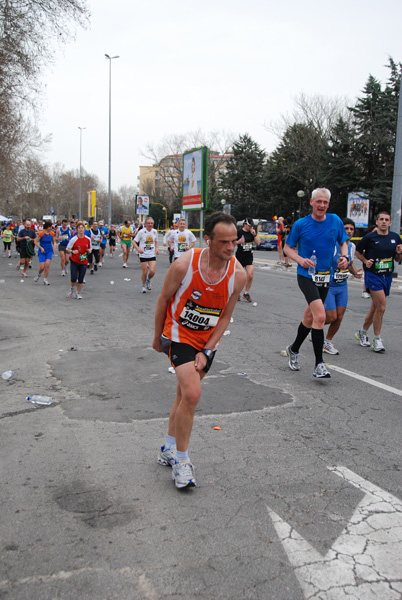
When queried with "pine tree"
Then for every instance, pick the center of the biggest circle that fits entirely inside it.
(374, 120)
(298, 163)
(244, 181)
(343, 173)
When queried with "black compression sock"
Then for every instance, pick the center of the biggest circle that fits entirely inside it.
(317, 336)
(302, 333)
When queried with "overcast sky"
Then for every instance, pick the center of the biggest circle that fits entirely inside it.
(209, 65)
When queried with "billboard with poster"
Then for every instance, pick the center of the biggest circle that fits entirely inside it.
(141, 205)
(359, 208)
(195, 176)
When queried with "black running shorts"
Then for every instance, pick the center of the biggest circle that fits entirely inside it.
(310, 290)
(180, 354)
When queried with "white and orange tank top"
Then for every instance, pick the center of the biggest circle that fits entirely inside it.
(196, 307)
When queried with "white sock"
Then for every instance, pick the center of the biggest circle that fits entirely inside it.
(181, 455)
(169, 442)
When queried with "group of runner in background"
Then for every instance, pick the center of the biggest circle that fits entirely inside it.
(83, 247)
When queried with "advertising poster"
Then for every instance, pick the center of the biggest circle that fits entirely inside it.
(142, 205)
(194, 179)
(359, 208)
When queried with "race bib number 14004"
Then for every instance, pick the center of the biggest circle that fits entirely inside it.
(199, 318)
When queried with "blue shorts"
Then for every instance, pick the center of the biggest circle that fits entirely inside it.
(43, 256)
(337, 297)
(377, 283)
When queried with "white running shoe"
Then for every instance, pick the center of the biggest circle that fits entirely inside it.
(183, 474)
(167, 457)
(377, 345)
(78, 296)
(329, 348)
(124, 266)
(365, 295)
(63, 273)
(148, 284)
(72, 293)
(362, 338)
(36, 278)
(321, 371)
(144, 291)
(45, 282)
(293, 359)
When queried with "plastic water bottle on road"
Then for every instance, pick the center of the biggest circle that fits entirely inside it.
(43, 400)
(7, 374)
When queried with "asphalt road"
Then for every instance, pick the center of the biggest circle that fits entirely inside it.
(299, 493)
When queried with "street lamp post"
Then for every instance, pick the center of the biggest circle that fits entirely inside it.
(300, 195)
(109, 218)
(80, 199)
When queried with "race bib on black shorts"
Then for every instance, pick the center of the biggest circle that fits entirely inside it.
(322, 278)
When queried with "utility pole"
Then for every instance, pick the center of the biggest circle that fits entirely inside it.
(397, 182)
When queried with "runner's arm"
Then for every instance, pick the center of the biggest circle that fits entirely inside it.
(293, 255)
(255, 236)
(355, 272)
(173, 279)
(37, 242)
(363, 259)
(344, 260)
(136, 246)
(193, 241)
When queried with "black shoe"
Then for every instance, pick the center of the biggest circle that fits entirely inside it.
(96, 267)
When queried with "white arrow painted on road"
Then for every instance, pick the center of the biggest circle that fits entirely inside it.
(365, 562)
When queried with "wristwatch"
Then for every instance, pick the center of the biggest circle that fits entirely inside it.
(208, 353)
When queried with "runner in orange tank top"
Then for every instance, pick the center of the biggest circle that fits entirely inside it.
(193, 310)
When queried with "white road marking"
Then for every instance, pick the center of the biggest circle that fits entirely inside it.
(366, 559)
(382, 386)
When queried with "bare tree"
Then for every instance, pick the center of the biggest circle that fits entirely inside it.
(168, 158)
(317, 112)
(27, 28)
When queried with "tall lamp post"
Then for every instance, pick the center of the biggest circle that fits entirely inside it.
(300, 195)
(80, 199)
(109, 214)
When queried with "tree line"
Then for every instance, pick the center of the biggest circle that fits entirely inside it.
(325, 143)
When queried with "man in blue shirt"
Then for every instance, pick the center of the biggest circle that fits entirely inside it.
(315, 236)
(105, 234)
(377, 251)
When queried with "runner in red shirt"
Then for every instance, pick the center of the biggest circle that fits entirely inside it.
(78, 247)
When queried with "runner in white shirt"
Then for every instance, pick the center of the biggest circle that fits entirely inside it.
(146, 244)
(180, 240)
